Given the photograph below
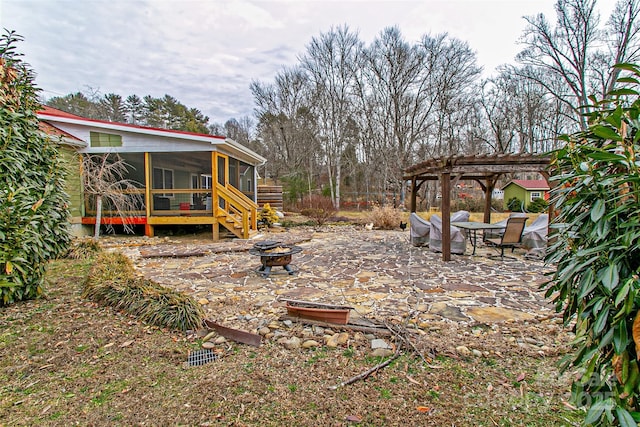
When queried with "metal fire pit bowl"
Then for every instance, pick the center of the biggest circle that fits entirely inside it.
(274, 254)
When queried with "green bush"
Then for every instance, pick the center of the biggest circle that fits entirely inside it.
(514, 204)
(33, 207)
(112, 281)
(596, 254)
(537, 205)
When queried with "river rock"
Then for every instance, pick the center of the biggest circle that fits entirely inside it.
(209, 336)
(463, 350)
(343, 338)
(379, 343)
(264, 331)
(332, 341)
(291, 343)
(310, 344)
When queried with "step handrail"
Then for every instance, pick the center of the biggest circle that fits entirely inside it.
(242, 205)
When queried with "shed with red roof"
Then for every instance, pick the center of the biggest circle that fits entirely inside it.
(526, 191)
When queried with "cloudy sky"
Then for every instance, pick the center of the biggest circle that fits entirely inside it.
(205, 53)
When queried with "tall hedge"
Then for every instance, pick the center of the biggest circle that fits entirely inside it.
(597, 254)
(33, 206)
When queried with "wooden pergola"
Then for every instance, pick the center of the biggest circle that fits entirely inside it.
(484, 169)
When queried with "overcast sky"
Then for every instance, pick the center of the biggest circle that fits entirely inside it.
(205, 53)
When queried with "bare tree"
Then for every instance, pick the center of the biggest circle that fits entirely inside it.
(622, 36)
(286, 126)
(578, 52)
(330, 61)
(105, 182)
(451, 73)
(520, 115)
(394, 106)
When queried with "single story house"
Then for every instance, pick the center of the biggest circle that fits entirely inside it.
(182, 177)
(526, 190)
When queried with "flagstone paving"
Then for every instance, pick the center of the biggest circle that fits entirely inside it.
(377, 272)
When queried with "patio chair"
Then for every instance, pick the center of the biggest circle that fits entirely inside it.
(496, 234)
(534, 236)
(511, 238)
(458, 237)
(419, 230)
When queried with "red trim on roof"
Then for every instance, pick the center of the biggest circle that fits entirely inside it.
(58, 113)
(530, 184)
(53, 112)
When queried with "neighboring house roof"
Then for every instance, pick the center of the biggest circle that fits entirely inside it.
(49, 114)
(529, 184)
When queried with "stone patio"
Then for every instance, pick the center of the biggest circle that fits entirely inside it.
(377, 272)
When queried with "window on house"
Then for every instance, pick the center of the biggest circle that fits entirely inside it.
(206, 181)
(163, 180)
(99, 139)
(536, 195)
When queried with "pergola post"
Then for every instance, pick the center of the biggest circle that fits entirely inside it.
(446, 215)
(414, 196)
(488, 193)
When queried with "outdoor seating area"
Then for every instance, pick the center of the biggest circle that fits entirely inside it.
(532, 237)
(377, 272)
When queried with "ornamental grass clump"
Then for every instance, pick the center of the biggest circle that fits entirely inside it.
(112, 281)
(84, 248)
(385, 217)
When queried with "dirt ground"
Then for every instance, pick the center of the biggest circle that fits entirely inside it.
(67, 361)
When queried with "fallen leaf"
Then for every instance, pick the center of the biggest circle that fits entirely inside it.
(489, 388)
(521, 377)
(423, 409)
(411, 380)
(636, 334)
(353, 418)
(108, 345)
(126, 344)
